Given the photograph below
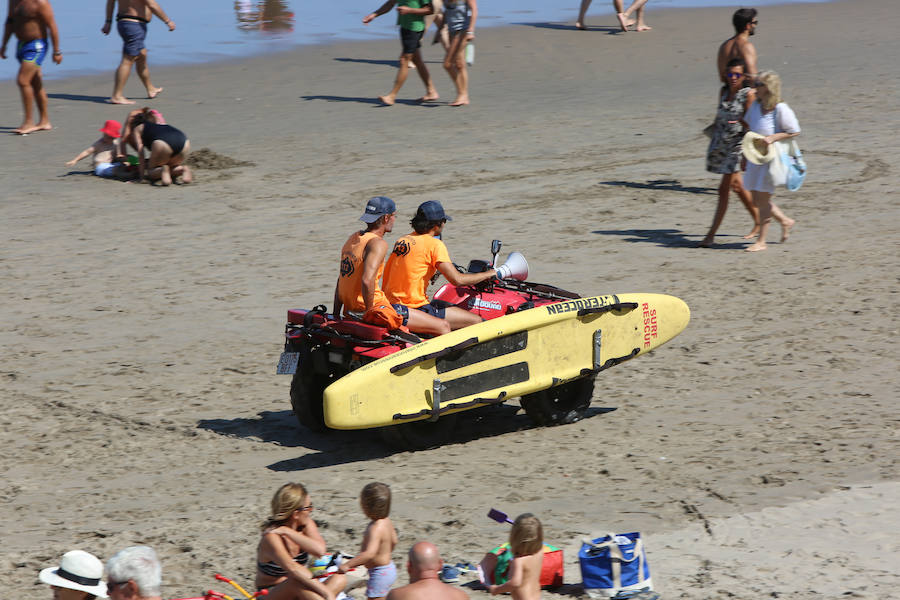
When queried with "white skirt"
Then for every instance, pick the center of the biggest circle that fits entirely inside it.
(756, 178)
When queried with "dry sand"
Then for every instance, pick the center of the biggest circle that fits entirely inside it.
(757, 452)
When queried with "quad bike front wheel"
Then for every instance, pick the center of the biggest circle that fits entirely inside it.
(560, 405)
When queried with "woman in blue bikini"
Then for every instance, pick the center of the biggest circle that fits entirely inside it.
(289, 536)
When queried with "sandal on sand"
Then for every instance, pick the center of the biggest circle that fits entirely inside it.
(465, 567)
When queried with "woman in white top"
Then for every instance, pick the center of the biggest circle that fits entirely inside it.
(774, 119)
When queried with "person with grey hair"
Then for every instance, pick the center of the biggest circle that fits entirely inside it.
(134, 574)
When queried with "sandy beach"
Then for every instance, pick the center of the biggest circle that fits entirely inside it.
(756, 452)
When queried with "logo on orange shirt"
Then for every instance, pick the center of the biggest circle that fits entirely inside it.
(346, 267)
(401, 248)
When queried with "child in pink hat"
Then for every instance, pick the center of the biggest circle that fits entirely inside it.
(104, 151)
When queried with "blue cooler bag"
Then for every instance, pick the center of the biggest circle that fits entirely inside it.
(614, 563)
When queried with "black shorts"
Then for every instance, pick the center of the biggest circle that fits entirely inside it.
(435, 308)
(411, 40)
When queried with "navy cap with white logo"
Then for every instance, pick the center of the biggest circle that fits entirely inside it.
(378, 207)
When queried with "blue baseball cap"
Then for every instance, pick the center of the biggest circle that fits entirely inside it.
(377, 207)
(432, 211)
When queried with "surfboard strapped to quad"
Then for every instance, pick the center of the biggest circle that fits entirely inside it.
(538, 342)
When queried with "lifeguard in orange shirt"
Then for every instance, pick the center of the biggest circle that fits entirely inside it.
(362, 262)
(415, 259)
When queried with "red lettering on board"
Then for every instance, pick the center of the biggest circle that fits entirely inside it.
(651, 330)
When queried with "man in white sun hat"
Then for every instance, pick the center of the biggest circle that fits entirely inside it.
(76, 578)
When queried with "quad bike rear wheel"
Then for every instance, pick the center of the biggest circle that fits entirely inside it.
(419, 435)
(560, 405)
(306, 398)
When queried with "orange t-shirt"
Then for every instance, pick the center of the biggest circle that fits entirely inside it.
(410, 266)
(350, 281)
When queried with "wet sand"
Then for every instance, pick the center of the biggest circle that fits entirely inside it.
(756, 452)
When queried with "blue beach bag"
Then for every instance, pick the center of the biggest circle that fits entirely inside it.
(795, 167)
(613, 564)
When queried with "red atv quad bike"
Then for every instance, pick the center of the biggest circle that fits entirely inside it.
(320, 348)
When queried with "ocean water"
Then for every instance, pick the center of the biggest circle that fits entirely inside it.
(212, 30)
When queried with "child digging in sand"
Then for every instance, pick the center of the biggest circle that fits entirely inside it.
(378, 542)
(526, 541)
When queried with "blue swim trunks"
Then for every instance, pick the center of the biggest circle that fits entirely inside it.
(133, 34)
(380, 580)
(32, 52)
(435, 308)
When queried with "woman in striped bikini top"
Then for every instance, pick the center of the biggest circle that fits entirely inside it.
(289, 537)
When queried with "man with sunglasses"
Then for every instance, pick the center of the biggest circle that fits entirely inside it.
(739, 46)
(416, 258)
(134, 573)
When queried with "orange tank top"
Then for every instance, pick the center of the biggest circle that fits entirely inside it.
(410, 266)
(350, 280)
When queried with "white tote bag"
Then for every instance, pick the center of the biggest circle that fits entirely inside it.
(777, 168)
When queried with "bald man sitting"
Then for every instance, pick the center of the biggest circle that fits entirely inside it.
(424, 566)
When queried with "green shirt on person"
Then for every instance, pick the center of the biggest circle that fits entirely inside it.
(412, 22)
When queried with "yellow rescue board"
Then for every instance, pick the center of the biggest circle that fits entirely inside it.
(510, 356)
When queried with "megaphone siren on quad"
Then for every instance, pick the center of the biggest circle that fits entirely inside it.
(515, 267)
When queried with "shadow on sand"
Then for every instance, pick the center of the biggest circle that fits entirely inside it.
(334, 447)
(571, 27)
(671, 238)
(669, 185)
(80, 98)
(374, 101)
(386, 63)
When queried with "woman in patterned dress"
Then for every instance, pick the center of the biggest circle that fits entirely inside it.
(724, 153)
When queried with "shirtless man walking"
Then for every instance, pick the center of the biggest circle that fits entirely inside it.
(132, 20)
(30, 20)
(740, 46)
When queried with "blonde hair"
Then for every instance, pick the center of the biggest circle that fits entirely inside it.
(773, 84)
(526, 535)
(375, 500)
(288, 498)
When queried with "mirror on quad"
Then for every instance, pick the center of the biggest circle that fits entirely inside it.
(495, 251)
